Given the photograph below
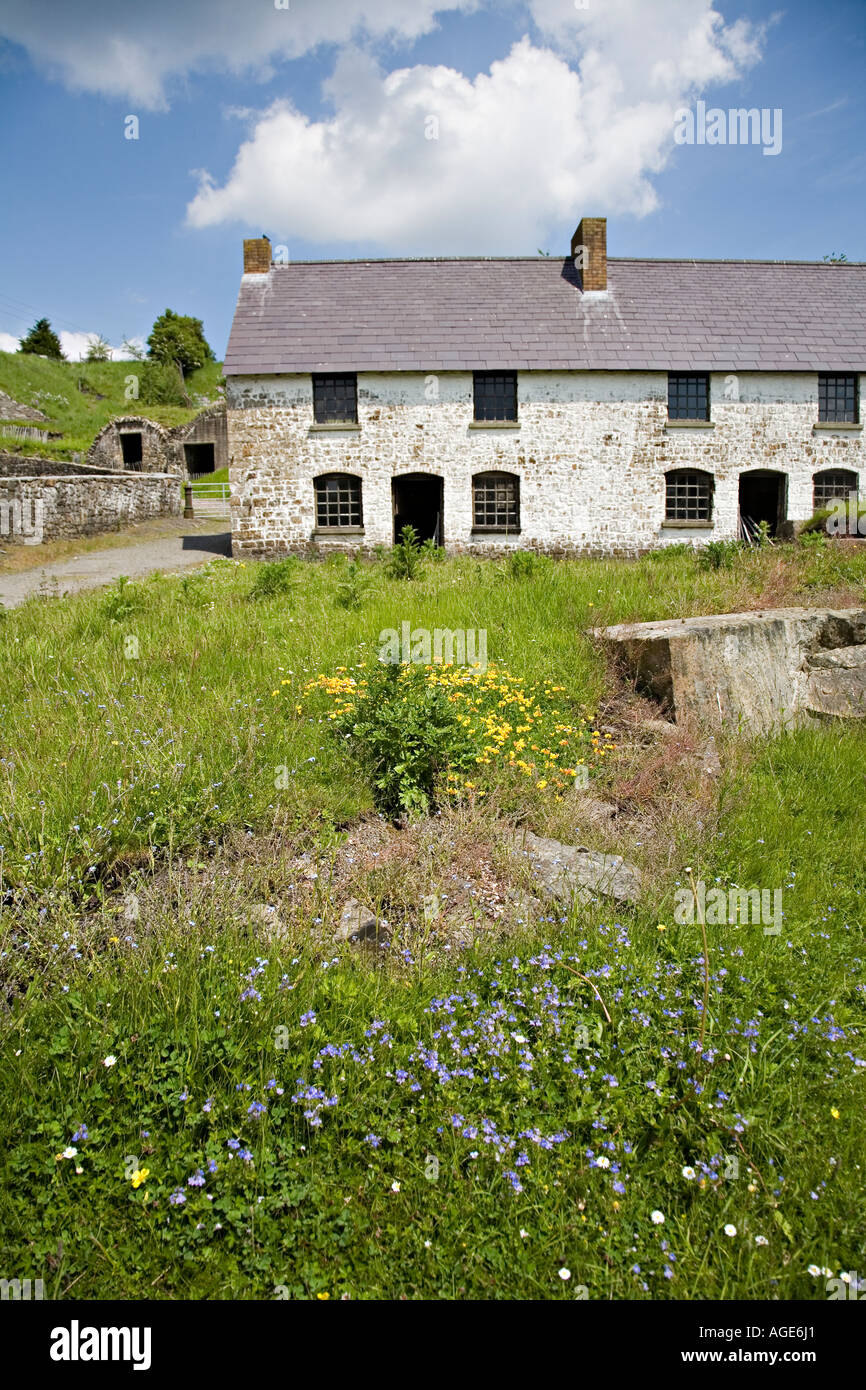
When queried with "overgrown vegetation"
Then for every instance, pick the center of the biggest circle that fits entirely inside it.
(182, 1085)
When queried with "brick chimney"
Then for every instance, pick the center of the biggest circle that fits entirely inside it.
(592, 262)
(257, 256)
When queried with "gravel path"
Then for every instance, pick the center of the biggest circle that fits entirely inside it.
(188, 548)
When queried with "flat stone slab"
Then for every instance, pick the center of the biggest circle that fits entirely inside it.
(753, 670)
(572, 871)
(839, 693)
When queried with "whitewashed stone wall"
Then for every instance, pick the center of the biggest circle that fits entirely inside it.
(84, 505)
(591, 453)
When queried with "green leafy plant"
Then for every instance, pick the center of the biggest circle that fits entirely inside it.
(121, 600)
(718, 555)
(353, 587)
(407, 735)
(275, 578)
(407, 557)
(523, 564)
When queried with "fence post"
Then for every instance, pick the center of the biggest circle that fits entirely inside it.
(188, 512)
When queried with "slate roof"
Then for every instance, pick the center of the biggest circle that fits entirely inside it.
(529, 313)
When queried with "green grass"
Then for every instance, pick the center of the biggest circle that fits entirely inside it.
(164, 762)
(79, 414)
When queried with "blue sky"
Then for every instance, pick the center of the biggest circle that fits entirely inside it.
(404, 127)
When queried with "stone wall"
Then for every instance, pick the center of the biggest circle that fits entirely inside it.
(591, 453)
(61, 508)
(207, 428)
(158, 453)
(162, 449)
(29, 466)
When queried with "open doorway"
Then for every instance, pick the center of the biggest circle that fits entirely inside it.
(763, 497)
(131, 450)
(199, 458)
(417, 501)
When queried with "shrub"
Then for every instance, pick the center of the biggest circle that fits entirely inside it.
(407, 734)
(718, 555)
(120, 601)
(160, 383)
(407, 558)
(275, 578)
(353, 587)
(523, 564)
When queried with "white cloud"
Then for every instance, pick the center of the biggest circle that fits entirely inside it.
(533, 142)
(75, 347)
(136, 51)
(578, 122)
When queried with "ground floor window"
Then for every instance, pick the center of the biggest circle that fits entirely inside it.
(338, 502)
(496, 502)
(833, 485)
(688, 495)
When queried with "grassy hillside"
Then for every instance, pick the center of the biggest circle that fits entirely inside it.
(78, 398)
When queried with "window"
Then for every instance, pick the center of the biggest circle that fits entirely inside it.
(837, 399)
(495, 395)
(688, 396)
(338, 502)
(335, 399)
(832, 485)
(689, 495)
(495, 502)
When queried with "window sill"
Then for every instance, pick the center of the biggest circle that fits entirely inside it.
(494, 424)
(688, 525)
(832, 426)
(689, 425)
(333, 532)
(495, 531)
(325, 429)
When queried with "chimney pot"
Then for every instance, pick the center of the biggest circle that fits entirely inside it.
(591, 234)
(257, 256)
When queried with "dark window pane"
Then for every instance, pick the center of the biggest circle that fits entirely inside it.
(338, 501)
(688, 396)
(495, 395)
(689, 496)
(495, 502)
(335, 399)
(833, 485)
(838, 398)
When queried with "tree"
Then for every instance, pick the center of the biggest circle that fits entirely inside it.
(179, 338)
(98, 349)
(42, 340)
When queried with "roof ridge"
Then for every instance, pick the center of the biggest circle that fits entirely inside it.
(541, 260)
